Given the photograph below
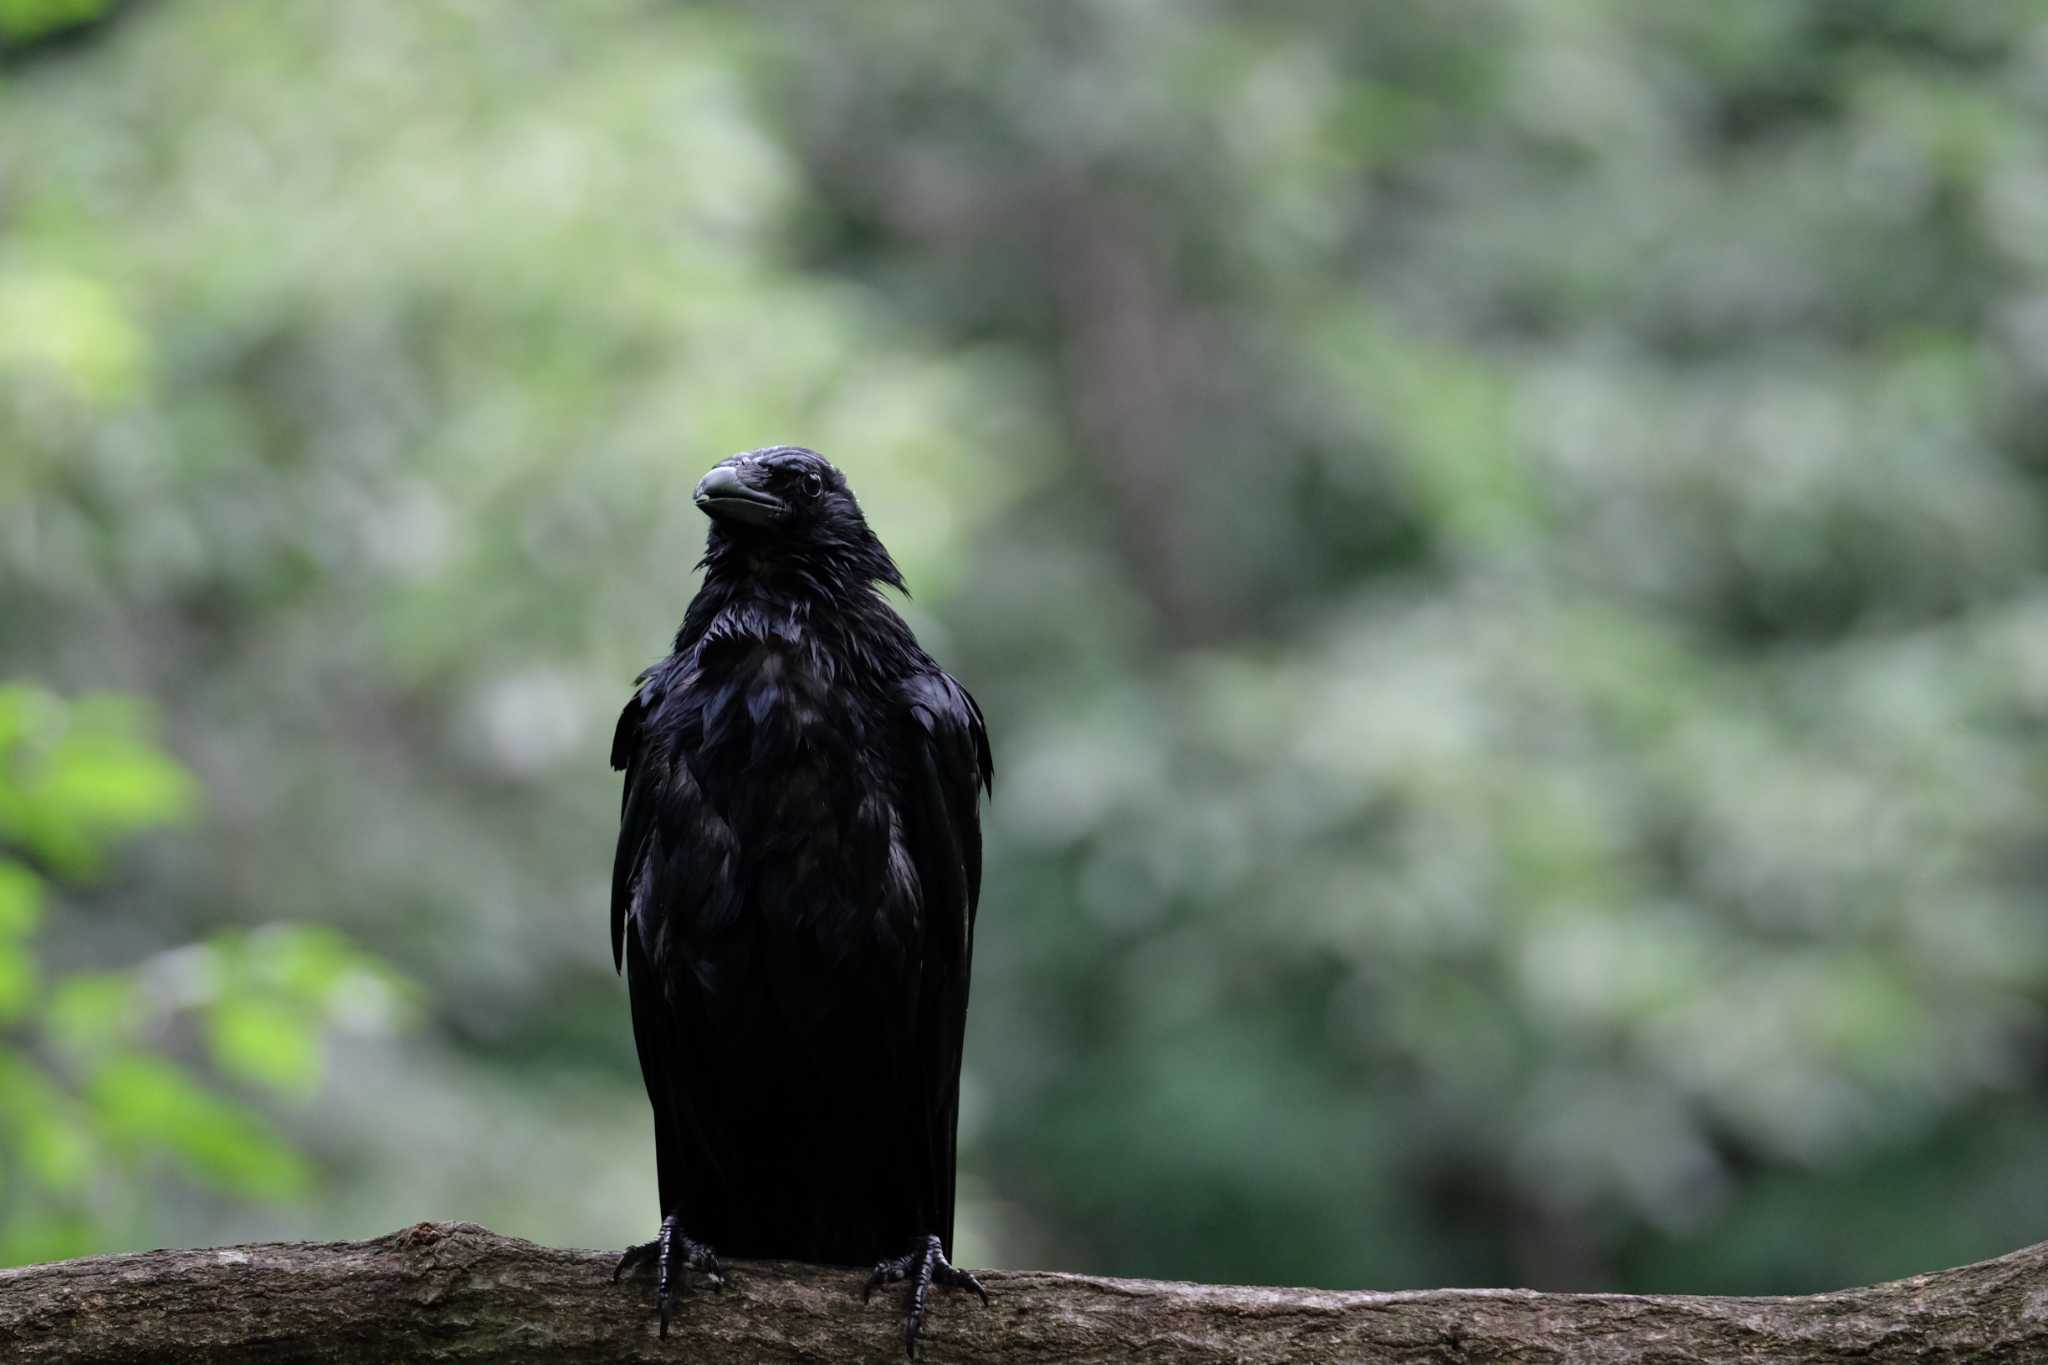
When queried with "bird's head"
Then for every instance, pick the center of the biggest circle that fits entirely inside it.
(789, 502)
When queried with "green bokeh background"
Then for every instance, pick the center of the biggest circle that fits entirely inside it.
(1502, 545)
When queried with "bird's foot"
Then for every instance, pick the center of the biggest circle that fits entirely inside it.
(924, 1265)
(671, 1249)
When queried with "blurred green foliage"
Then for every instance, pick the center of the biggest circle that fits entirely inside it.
(98, 1099)
(1502, 546)
(27, 21)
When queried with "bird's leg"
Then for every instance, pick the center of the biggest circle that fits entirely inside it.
(694, 1256)
(924, 1265)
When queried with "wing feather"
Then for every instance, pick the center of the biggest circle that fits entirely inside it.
(948, 767)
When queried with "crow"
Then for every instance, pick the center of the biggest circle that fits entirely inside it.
(793, 898)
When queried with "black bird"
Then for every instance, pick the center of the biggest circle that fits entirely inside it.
(794, 894)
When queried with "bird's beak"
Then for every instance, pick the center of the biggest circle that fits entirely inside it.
(725, 493)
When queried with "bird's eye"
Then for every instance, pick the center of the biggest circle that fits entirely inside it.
(813, 485)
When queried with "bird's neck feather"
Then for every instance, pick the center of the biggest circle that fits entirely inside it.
(786, 599)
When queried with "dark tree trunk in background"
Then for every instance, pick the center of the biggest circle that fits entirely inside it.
(456, 1292)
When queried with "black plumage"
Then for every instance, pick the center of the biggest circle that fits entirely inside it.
(794, 893)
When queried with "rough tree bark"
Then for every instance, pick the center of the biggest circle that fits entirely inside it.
(457, 1292)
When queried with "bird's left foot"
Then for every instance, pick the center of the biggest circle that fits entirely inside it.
(924, 1265)
(671, 1247)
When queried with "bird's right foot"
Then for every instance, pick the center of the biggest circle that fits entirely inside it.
(671, 1247)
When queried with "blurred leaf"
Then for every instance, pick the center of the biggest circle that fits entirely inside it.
(146, 1103)
(37, 1235)
(21, 899)
(269, 1044)
(17, 981)
(90, 1012)
(58, 1149)
(45, 1125)
(63, 327)
(79, 775)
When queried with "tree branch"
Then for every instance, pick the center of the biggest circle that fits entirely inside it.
(449, 1292)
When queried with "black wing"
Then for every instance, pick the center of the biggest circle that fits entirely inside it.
(636, 810)
(675, 879)
(675, 873)
(946, 767)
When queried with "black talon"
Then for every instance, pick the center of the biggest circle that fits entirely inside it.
(885, 1272)
(634, 1258)
(664, 1237)
(953, 1278)
(924, 1266)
